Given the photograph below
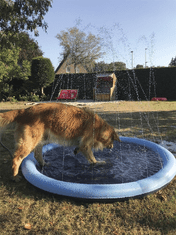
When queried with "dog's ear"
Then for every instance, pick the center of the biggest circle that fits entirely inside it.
(116, 137)
(105, 135)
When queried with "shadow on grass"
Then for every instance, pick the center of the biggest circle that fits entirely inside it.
(157, 220)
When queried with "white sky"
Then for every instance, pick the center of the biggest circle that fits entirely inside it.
(139, 24)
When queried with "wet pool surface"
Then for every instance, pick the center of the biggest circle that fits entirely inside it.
(126, 162)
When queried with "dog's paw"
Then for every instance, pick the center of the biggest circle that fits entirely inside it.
(16, 178)
(47, 164)
(100, 162)
(43, 163)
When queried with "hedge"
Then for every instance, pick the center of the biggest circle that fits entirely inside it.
(138, 84)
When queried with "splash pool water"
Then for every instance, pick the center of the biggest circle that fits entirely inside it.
(124, 175)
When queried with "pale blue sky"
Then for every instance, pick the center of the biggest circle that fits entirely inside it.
(127, 25)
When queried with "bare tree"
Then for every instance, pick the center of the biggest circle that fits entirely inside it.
(80, 48)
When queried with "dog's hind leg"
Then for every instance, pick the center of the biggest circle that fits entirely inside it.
(21, 152)
(26, 140)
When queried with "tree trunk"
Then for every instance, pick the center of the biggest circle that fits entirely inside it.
(75, 67)
(41, 91)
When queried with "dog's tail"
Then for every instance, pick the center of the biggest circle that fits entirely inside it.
(6, 119)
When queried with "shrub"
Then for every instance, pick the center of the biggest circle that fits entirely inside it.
(23, 98)
(12, 99)
(34, 98)
(42, 72)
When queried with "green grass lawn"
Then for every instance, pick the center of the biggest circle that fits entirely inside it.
(25, 209)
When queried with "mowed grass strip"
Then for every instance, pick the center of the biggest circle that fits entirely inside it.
(25, 209)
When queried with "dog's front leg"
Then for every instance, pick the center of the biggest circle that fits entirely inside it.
(38, 155)
(87, 152)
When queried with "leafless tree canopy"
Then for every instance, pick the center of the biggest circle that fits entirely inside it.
(81, 48)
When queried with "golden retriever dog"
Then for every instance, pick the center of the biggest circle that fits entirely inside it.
(66, 125)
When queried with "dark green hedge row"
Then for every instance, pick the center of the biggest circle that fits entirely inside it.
(138, 84)
(83, 82)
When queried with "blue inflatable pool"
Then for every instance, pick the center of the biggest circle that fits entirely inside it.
(104, 191)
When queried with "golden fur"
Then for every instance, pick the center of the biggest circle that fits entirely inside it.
(56, 122)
